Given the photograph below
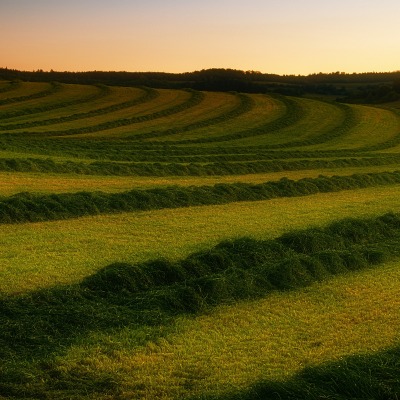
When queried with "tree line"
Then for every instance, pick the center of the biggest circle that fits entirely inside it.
(373, 87)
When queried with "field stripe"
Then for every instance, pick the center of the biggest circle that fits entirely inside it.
(10, 86)
(54, 88)
(194, 99)
(148, 95)
(39, 326)
(26, 207)
(192, 169)
(244, 106)
(101, 92)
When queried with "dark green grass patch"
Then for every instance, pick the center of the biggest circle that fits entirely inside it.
(356, 377)
(28, 207)
(180, 169)
(38, 326)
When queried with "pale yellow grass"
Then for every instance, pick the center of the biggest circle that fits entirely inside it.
(44, 254)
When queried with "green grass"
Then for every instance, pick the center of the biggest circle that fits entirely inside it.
(216, 351)
(105, 101)
(31, 207)
(47, 183)
(45, 254)
(375, 126)
(168, 304)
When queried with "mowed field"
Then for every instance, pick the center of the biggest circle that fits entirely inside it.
(178, 244)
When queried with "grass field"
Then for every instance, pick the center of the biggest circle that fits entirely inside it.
(270, 271)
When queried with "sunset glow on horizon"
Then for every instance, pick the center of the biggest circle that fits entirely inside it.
(277, 36)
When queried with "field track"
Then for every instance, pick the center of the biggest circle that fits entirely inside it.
(172, 244)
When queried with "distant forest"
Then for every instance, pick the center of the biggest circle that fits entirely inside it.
(368, 87)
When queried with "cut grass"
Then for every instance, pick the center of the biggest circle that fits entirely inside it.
(46, 183)
(44, 254)
(252, 112)
(167, 99)
(125, 331)
(271, 339)
(108, 100)
(65, 100)
(374, 126)
(24, 91)
(315, 117)
(92, 339)
(29, 207)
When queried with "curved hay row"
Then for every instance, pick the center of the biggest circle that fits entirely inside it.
(345, 124)
(263, 110)
(135, 98)
(23, 89)
(286, 114)
(47, 91)
(167, 103)
(212, 105)
(376, 129)
(185, 169)
(70, 96)
(310, 118)
(9, 86)
(28, 207)
(244, 105)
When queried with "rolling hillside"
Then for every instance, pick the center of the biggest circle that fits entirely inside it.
(176, 243)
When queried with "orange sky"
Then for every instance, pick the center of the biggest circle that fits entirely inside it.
(271, 36)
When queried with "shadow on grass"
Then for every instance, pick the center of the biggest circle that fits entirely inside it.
(38, 327)
(366, 377)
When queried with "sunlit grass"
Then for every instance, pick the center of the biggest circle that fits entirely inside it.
(375, 125)
(44, 254)
(238, 345)
(12, 182)
(67, 93)
(264, 110)
(318, 117)
(167, 98)
(24, 89)
(213, 105)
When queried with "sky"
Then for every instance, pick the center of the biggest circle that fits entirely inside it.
(282, 37)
